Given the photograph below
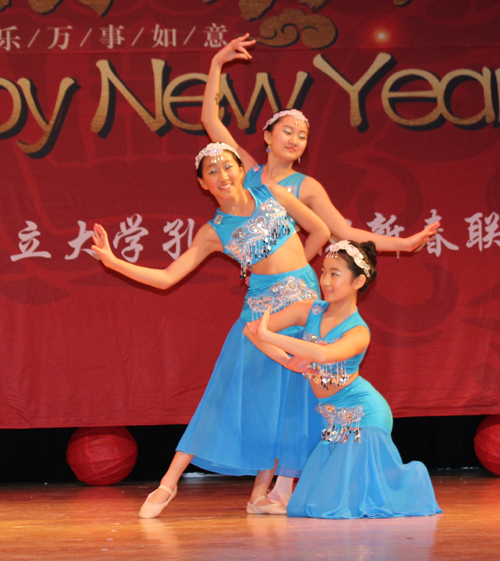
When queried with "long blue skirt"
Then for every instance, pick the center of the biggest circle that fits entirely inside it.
(253, 410)
(365, 479)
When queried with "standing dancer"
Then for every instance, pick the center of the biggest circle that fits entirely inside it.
(238, 426)
(355, 471)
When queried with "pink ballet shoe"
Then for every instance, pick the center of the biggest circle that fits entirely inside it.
(265, 509)
(151, 510)
(278, 498)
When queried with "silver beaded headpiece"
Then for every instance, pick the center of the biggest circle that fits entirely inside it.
(214, 150)
(300, 119)
(354, 252)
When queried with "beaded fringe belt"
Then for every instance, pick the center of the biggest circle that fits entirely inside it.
(281, 295)
(341, 423)
(327, 374)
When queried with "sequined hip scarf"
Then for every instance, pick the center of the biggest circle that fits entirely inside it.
(280, 295)
(341, 422)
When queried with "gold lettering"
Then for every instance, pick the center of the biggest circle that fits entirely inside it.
(172, 99)
(51, 128)
(110, 82)
(10, 127)
(452, 79)
(391, 96)
(440, 93)
(358, 91)
(262, 90)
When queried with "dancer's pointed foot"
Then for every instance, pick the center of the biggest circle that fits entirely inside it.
(152, 510)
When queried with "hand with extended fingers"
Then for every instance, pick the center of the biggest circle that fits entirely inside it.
(418, 241)
(101, 245)
(235, 49)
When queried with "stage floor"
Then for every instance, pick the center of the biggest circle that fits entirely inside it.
(207, 521)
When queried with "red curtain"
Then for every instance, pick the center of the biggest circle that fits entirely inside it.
(99, 122)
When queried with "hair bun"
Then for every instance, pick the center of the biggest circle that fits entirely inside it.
(370, 250)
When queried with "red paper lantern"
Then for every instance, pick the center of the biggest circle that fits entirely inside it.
(487, 443)
(101, 455)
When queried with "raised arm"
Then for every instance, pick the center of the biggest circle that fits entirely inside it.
(235, 49)
(204, 243)
(313, 194)
(310, 221)
(352, 343)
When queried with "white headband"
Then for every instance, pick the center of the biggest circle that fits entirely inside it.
(359, 258)
(214, 150)
(299, 117)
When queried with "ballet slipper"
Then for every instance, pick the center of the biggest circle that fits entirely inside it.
(151, 510)
(278, 498)
(265, 509)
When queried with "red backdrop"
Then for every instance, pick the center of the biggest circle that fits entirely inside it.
(99, 121)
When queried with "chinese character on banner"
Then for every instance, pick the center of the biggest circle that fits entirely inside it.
(215, 36)
(435, 245)
(164, 37)
(112, 36)
(132, 232)
(77, 243)
(29, 243)
(7, 40)
(379, 225)
(483, 235)
(173, 229)
(61, 37)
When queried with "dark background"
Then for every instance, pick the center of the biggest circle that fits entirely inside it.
(39, 455)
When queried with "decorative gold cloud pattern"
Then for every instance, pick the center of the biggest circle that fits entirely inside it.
(316, 31)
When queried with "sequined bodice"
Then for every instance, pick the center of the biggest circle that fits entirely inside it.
(248, 239)
(292, 183)
(338, 373)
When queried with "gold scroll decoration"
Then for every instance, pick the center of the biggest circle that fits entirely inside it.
(47, 6)
(318, 32)
(315, 5)
(254, 9)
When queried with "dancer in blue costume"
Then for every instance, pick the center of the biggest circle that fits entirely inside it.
(355, 471)
(286, 135)
(238, 427)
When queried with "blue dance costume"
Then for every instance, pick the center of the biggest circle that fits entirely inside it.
(356, 471)
(253, 410)
(292, 183)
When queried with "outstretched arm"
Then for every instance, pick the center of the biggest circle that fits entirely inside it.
(352, 343)
(204, 243)
(313, 194)
(235, 49)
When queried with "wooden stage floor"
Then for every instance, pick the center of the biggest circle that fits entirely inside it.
(207, 521)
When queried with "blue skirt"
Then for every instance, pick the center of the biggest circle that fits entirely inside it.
(365, 479)
(253, 410)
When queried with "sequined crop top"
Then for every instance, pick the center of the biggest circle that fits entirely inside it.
(292, 183)
(249, 239)
(337, 373)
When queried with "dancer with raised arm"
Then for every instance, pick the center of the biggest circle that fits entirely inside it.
(286, 134)
(355, 471)
(238, 426)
